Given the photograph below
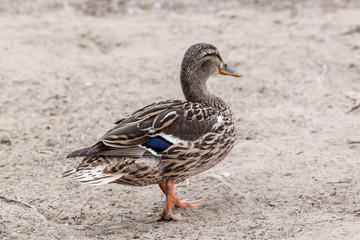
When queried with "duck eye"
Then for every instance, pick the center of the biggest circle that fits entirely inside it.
(211, 54)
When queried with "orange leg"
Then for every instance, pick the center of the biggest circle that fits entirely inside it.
(172, 200)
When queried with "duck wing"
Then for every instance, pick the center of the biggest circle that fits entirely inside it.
(152, 129)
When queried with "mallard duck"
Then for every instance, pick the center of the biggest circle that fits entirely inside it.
(166, 142)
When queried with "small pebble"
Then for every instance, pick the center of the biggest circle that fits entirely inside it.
(226, 174)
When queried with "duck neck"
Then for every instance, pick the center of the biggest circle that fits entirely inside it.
(197, 90)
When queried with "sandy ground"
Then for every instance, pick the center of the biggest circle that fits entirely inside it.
(67, 73)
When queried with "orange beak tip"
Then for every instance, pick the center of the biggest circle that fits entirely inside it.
(230, 72)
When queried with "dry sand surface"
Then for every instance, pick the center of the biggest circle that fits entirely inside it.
(68, 70)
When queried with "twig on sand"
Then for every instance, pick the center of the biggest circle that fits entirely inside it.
(353, 142)
(355, 106)
(10, 200)
(81, 210)
(324, 71)
(356, 29)
(354, 96)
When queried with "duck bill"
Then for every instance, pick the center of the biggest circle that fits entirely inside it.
(229, 71)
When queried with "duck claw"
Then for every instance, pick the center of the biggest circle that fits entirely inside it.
(169, 217)
(188, 203)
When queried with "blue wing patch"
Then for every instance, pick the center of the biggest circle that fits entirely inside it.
(158, 144)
